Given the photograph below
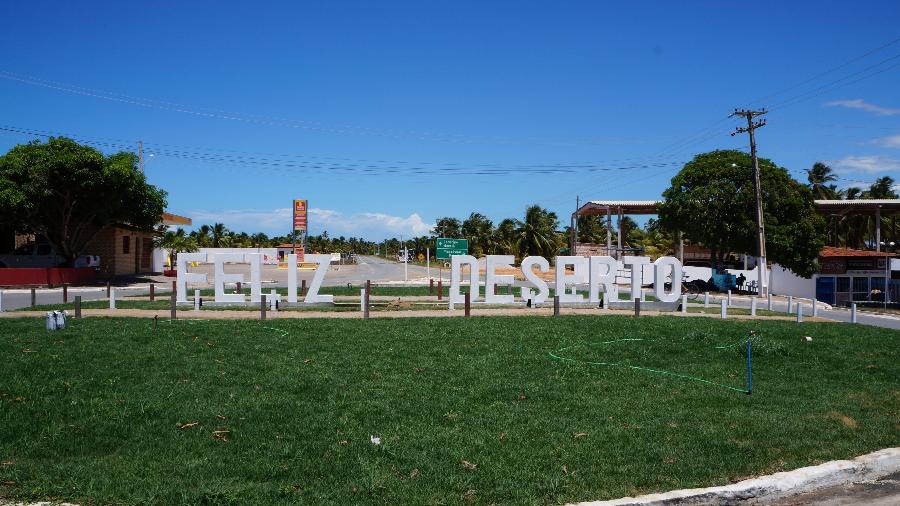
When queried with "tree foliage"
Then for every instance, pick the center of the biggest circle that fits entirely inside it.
(69, 192)
(712, 202)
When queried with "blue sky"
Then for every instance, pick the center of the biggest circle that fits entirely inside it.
(387, 115)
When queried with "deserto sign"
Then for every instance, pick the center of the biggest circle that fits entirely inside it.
(597, 272)
(255, 261)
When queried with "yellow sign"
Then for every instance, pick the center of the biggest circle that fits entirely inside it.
(300, 207)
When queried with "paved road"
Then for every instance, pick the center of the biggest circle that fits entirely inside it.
(882, 492)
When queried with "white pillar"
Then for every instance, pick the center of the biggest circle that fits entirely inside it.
(1, 301)
(724, 310)
(769, 306)
(705, 299)
(362, 299)
(799, 313)
(112, 298)
(815, 307)
(273, 300)
(790, 308)
(853, 313)
(729, 298)
(196, 300)
(684, 304)
(753, 306)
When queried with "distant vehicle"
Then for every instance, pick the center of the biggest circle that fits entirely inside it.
(42, 255)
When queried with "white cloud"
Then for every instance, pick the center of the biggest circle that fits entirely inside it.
(892, 141)
(859, 103)
(867, 164)
(278, 222)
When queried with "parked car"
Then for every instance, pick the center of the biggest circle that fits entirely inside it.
(42, 255)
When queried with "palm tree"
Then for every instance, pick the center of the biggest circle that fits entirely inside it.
(478, 229)
(202, 236)
(506, 240)
(538, 234)
(819, 177)
(175, 242)
(217, 234)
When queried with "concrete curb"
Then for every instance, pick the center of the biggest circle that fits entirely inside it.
(766, 489)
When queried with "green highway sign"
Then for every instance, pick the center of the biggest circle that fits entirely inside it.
(449, 247)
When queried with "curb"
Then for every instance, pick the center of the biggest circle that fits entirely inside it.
(777, 486)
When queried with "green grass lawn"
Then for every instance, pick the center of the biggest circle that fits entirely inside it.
(467, 409)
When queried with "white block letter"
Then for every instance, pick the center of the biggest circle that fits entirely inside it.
(579, 275)
(603, 277)
(185, 277)
(637, 270)
(219, 260)
(456, 262)
(322, 263)
(492, 279)
(543, 291)
(659, 279)
(292, 278)
(255, 261)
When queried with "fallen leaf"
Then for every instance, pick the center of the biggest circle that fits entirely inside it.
(221, 435)
(295, 487)
(468, 465)
(26, 350)
(565, 470)
(420, 369)
(344, 442)
(469, 496)
(309, 361)
(187, 425)
(8, 482)
(8, 463)
(414, 473)
(220, 417)
(579, 434)
(502, 436)
(522, 397)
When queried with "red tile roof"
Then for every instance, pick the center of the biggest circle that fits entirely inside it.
(831, 251)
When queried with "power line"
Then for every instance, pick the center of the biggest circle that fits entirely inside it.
(285, 164)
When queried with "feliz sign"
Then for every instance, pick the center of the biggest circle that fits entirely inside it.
(255, 261)
(598, 272)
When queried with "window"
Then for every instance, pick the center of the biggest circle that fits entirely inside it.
(126, 244)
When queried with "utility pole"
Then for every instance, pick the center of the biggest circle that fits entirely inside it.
(760, 221)
(141, 155)
(574, 225)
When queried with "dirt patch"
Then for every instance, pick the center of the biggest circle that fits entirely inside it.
(844, 419)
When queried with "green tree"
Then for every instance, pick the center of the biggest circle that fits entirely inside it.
(538, 233)
(506, 239)
(819, 178)
(218, 234)
(447, 227)
(479, 230)
(69, 192)
(175, 242)
(712, 201)
(592, 229)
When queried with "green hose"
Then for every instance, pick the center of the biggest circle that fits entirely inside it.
(557, 355)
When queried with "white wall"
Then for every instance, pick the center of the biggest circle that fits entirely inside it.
(785, 282)
(270, 255)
